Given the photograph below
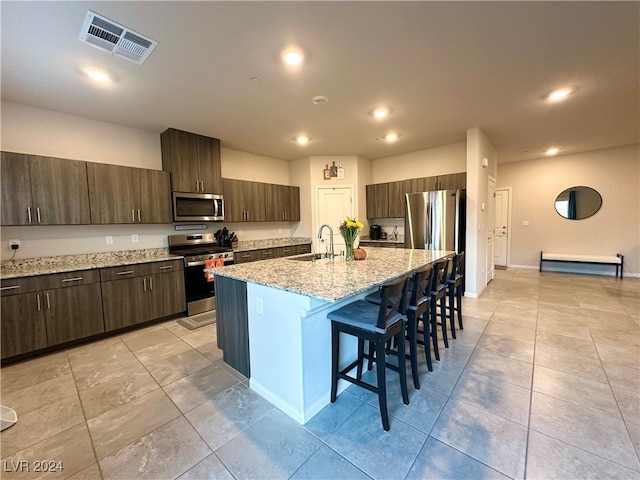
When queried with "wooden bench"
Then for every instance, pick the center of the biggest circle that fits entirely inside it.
(617, 259)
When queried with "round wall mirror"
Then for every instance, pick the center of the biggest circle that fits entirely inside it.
(578, 203)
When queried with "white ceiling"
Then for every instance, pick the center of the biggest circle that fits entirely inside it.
(442, 66)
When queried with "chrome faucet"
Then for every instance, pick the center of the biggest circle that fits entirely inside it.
(330, 252)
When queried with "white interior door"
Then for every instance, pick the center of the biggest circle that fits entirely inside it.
(501, 232)
(490, 228)
(334, 205)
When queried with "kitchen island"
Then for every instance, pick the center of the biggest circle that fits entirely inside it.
(273, 326)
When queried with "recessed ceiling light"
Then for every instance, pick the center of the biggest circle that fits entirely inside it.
(301, 139)
(391, 137)
(98, 75)
(319, 100)
(559, 95)
(293, 57)
(381, 112)
(552, 151)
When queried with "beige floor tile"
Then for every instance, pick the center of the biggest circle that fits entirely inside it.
(122, 425)
(201, 336)
(165, 453)
(211, 351)
(41, 394)
(501, 368)
(25, 374)
(580, 347)
(629, 402)
(507, 347)
(179, 366)
(577, 390)
(92, 472)
(65, 454)
(165, 348)
(42, 423)
(567, 362)
(622, 376)
(92, 368)
(105, 396)
(618, 355)
(515, 332)
(195, 389)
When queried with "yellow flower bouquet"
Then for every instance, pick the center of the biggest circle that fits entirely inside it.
(349, 228)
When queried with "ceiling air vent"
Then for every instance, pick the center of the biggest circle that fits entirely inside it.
(105, 34)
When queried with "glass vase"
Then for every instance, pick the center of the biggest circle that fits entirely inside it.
(348, 245)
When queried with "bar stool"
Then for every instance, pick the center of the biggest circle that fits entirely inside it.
(419, 289)
(439, 302)
(376, 324)
(454, 289)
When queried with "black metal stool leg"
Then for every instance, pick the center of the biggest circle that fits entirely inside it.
(335, 353)
(382, 386)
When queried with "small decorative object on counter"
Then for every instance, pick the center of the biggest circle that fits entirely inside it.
(349, 229)
(359, 254)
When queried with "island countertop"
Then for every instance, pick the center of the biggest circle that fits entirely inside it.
(333, 280)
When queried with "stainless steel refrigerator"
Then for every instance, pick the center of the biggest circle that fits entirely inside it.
(435, 220)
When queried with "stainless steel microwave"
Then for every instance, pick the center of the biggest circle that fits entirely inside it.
(197, 207)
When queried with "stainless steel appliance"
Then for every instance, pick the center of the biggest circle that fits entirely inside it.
(375, 232)
(197, 249)
(435, 220)
(197, 207)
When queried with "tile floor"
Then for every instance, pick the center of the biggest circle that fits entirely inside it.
(543, 383)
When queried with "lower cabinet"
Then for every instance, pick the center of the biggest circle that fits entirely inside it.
(47, 310)
(269, 253)
(134, 294)
(54, 309)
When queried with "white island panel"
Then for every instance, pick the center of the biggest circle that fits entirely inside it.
(290, 350)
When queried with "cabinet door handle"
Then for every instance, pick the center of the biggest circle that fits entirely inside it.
(38, 213)
(48, 301)
(133, 217)
(75, 279)
(150, 283)
(10, 287)
(268, 253)
(125, 273)
(38, 298)
(29, 213)
(144, 284)
(166, 267)
(202, 185)
(139, 220)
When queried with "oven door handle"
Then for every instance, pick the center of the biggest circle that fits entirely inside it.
(194, 264)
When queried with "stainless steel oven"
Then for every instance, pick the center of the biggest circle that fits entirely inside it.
(197, 249)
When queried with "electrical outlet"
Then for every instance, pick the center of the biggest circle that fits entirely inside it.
(14, 244)
(135, 238)
(109, 239)
(279, 230)
(259, 306)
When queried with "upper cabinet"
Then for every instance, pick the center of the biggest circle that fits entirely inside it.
(128, 195)
(193, 160)
(378, 200)
(43, 191)
(386, 200)
(282, 203)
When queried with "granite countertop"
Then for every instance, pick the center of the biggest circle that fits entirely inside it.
(335, 279)
(27, 267)
(389, 241)
(246, 245)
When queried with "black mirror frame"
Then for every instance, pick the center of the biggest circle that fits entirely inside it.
(567, 191)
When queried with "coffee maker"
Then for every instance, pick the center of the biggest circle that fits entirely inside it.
(375, 232)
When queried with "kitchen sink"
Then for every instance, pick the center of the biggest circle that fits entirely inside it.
(306, 258)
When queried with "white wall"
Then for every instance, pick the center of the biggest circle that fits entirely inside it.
(614, 172)
(37, 131)
(423, 163)
(478, 147)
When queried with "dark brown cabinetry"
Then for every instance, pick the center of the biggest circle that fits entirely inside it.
(269, 253)
(193, 160)
(258, 202)
(128, 195)
(48, 310)
(244, 201)
(282, 203)
(392, 205)
(378, 200)
(134, 294)
(43, 191)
